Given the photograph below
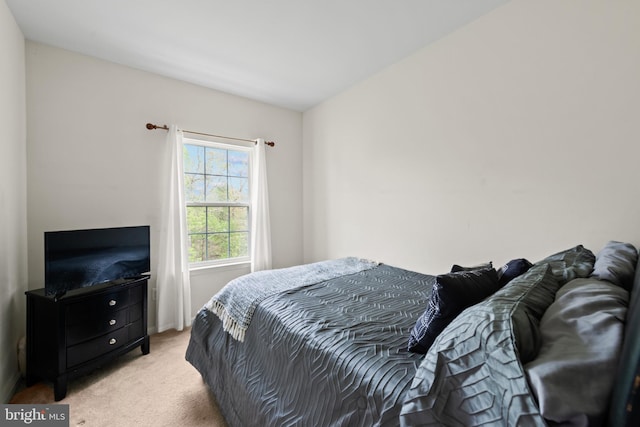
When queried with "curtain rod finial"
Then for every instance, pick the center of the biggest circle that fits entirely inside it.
(151, 126)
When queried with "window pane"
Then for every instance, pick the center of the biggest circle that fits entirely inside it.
(216, 161)
(194, 187)
(218, 246)
(217, 175)
(193, 158)
(238, 189)
(197, 250)
(239, 245)
(196, 219)
(218, 219)
(239, 220)
(216, 189)
(239, 163)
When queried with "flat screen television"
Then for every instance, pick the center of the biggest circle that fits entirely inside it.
(79, 258)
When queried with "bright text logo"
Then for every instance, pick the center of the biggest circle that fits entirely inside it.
(34, 415)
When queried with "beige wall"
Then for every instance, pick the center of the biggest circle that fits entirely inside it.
(515, 136)
(92, 163)
(13, 203)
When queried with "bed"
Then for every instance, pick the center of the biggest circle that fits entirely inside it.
(352, 342)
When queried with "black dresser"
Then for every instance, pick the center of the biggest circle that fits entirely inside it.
(72, 334)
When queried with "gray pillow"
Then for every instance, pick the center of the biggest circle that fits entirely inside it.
(582, 333)
(573, 263)
(531, 296)
(616, 263)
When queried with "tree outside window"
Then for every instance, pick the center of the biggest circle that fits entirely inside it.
(217, 193)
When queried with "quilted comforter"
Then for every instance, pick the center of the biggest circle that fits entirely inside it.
(332, 353)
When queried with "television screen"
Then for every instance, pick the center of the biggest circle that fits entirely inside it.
(80, 258)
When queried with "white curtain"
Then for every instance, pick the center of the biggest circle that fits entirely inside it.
(260, 222)
(173, 287)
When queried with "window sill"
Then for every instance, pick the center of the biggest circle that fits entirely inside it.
(207, 268)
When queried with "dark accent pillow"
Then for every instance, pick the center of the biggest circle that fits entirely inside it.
(616, 263)
(512, 269)
(451, 293)
(458, 268)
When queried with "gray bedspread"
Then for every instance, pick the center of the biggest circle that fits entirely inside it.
(237, 301)
(343, 365)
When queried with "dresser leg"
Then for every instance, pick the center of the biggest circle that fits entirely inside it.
(146, 345)
(60, 388)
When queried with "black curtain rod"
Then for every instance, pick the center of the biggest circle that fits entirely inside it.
(151, 126)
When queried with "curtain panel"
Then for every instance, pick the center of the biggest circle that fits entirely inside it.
(173, 308)
(260, 220)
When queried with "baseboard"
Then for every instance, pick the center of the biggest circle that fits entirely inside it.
(11, 387)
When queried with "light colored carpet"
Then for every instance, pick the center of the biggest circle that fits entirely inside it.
(159, 389)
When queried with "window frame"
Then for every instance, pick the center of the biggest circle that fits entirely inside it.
(196, 265)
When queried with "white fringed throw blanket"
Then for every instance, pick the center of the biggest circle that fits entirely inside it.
(236, 302)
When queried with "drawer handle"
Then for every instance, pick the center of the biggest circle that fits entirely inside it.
(112, 341)
(112, 322)
(112, 302)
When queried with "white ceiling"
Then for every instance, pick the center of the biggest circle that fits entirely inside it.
(290, 53)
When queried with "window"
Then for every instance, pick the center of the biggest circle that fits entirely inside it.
(217, 193)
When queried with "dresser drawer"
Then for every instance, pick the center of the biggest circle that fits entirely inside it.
(136, 330)
(82, 331)
(135, 312)
(91, 349)
(101, 305)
